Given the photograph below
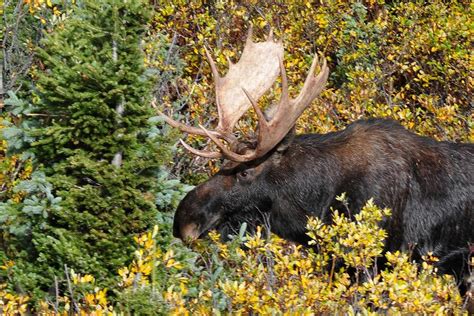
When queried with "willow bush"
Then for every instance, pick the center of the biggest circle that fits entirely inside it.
(267, 275)
(410, 61)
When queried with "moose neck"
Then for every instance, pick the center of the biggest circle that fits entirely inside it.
(319, 167)
(303, 185)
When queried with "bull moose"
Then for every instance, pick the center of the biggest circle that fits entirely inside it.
(283, 178)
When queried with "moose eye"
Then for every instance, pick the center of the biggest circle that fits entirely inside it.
(244, 175)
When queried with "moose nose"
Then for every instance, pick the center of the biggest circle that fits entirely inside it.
(186, 232)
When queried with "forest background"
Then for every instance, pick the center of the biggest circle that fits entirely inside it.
(90, 175)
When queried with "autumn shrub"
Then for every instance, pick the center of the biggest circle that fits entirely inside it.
(409, 61)
(267, 275)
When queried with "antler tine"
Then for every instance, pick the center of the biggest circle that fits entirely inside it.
(270, 36)
(258, 111)
(179, 125)
(215, 72)
(284, 83)
(224, 150)
(201, 153)
(190, 129)
(229, 61)
(313, 84)
(249, 35)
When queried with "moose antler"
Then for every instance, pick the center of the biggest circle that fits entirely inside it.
(256, 71)
(246, 82)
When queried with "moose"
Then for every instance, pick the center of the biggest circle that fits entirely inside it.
(280, 179)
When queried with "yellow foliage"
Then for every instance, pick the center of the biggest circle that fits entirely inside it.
(405, 61)
(46, 10)
(12, 171)
(11, 304)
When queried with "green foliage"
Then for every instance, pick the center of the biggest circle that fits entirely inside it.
(170, 191)
(94, 65)
(88, 77)
(81, 211)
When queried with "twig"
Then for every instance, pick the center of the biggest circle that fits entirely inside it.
(44, 115)
(170, 49)
(71, 291)
(331, 275)
(56, 288)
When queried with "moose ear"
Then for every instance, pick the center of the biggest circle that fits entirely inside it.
(286, 142)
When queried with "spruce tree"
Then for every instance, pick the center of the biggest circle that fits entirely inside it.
(92, 105)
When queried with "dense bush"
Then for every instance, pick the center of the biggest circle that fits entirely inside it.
(269, 276)
(85, 128)
(410, 61)
(406, 60)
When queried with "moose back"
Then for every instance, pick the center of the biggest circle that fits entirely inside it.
(280, 179)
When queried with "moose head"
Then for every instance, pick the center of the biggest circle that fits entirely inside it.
(246, 188)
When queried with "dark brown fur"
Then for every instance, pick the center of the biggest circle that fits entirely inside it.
(429, 186)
